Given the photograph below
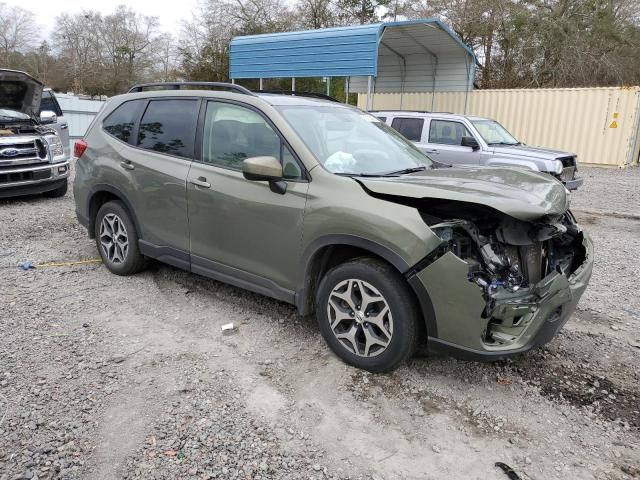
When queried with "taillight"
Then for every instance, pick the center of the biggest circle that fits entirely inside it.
(79, 147)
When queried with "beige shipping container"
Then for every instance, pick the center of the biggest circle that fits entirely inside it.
(600, 125)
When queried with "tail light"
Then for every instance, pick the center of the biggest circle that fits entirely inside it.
(79, 147)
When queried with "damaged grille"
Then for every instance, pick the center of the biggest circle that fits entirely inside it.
(569, 168)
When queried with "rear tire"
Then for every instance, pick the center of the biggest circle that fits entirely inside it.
(117, 239)
(61, 191)
(368, 315)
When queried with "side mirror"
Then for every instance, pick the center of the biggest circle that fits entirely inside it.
(261, 169)
(269, 169)
(47, 117)
(470, 142)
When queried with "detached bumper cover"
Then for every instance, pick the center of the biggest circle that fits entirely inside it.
(457, 308)
(573, 184)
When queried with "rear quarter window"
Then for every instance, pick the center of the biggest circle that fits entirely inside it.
(121, 121)
(409, 128)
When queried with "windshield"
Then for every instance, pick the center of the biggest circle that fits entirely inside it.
(13, 115)
(493, 133)
(350, 142)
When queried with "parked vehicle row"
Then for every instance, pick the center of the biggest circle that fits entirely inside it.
(467, 140)
(326, 207)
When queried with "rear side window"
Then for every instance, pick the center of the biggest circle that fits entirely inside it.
(169, 126)
(410, 128)
(120, 122)
(382, 119)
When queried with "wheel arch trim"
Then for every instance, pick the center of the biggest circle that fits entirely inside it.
(105, 187)
(304, 295)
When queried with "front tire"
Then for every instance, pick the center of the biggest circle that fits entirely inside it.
(368, 315)
(117, 239)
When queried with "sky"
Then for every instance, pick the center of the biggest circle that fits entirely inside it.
(169, 12)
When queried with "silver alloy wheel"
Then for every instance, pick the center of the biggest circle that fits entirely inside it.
(113, 238)
(360, 318)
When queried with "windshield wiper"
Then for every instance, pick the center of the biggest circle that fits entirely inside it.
(405, 171)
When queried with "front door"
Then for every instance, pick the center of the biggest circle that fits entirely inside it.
(444, 143)
(241, 231)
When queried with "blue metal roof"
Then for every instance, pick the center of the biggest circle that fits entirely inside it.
(331, 52)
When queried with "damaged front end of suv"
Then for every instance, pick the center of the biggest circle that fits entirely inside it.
(508, 267)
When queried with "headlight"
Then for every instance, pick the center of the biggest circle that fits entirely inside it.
(559, 167)
(55, 148)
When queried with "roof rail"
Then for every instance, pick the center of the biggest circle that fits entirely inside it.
(408, 111)
(188, 86)
(299, 94)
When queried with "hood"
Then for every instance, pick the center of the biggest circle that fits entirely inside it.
(525, 151)
(20, 92)
(521, 194)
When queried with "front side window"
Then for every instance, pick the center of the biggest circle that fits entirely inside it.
(233, 133)
(348, 141)
(168, 126)
(447, 132)
(120, 122)
(493, 133)
(410, 128)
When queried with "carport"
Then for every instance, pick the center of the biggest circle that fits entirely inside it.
(395, 57)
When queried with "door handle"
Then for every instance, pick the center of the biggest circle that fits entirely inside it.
(127, 165)
(433, 150)
(200, 182)
(64, 126)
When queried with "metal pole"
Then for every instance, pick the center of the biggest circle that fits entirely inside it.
(346, 90)
(293, 84)
(368, 93)
(373, 97)
(328, 86)
(233, 81)
(261, 85)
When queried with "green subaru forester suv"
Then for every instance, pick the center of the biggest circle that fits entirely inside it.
(323, 206)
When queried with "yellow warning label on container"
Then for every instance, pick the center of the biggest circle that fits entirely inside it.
(613, 124)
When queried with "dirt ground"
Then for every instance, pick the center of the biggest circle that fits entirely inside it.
(105, 377)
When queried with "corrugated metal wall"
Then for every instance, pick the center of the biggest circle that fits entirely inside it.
(601, 125)
(79, 113)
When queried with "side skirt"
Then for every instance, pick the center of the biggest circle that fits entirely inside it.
(216, 271)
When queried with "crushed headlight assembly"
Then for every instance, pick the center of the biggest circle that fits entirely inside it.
(558, 167)
(56, 148)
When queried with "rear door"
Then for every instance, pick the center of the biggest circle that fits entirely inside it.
(443, 143)
(50, 103)
(152, 167)
(241, 231)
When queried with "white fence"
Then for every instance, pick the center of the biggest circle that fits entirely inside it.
(79, 113)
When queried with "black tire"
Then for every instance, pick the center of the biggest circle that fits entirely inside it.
(133, 261)
(61, 191)
(401, 302)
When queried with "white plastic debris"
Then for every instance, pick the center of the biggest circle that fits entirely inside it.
(229, 329)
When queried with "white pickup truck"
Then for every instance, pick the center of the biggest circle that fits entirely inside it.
(32, 156)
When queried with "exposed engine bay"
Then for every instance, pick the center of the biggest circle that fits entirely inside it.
(507, 259)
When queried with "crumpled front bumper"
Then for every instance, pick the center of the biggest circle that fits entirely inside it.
(458, 326)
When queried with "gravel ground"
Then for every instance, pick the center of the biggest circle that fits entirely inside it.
(106, 377)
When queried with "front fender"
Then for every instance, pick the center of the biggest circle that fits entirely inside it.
(504, 162)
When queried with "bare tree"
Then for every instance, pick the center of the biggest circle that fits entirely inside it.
(18, 31)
